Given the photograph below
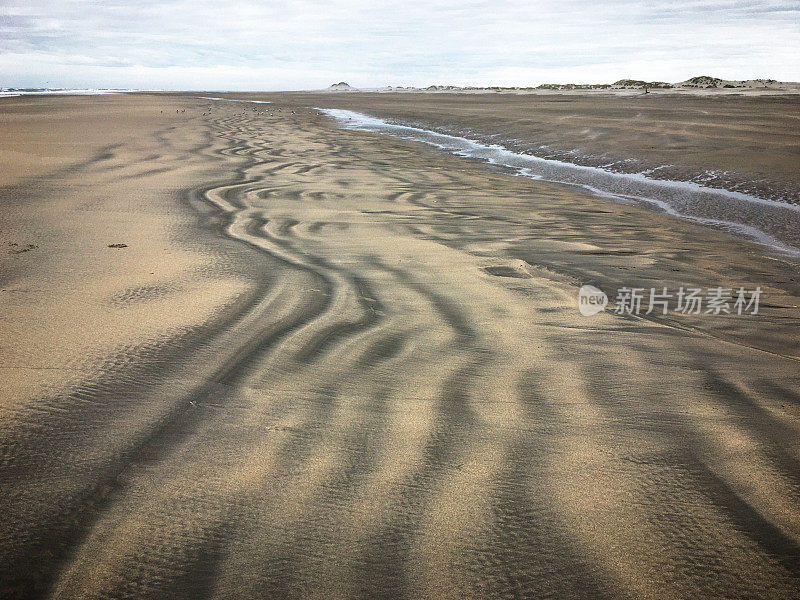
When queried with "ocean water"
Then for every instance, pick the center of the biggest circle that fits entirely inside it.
(769, 222)
(55, 92)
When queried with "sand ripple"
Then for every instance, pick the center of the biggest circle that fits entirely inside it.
(408, 403)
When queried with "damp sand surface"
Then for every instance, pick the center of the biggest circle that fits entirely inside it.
(247, 353)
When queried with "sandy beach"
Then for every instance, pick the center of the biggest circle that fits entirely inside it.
(246, 353)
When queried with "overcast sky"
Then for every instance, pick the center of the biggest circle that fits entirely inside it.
(307, 44)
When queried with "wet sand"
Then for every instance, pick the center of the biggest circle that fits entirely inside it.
(335, 364)
(734, 142)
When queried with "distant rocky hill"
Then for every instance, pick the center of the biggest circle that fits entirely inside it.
(341, 87)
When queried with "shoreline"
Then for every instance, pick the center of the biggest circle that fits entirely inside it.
(526, 165)
(741, 144)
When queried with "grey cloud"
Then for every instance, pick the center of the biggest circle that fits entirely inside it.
(226, 44)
